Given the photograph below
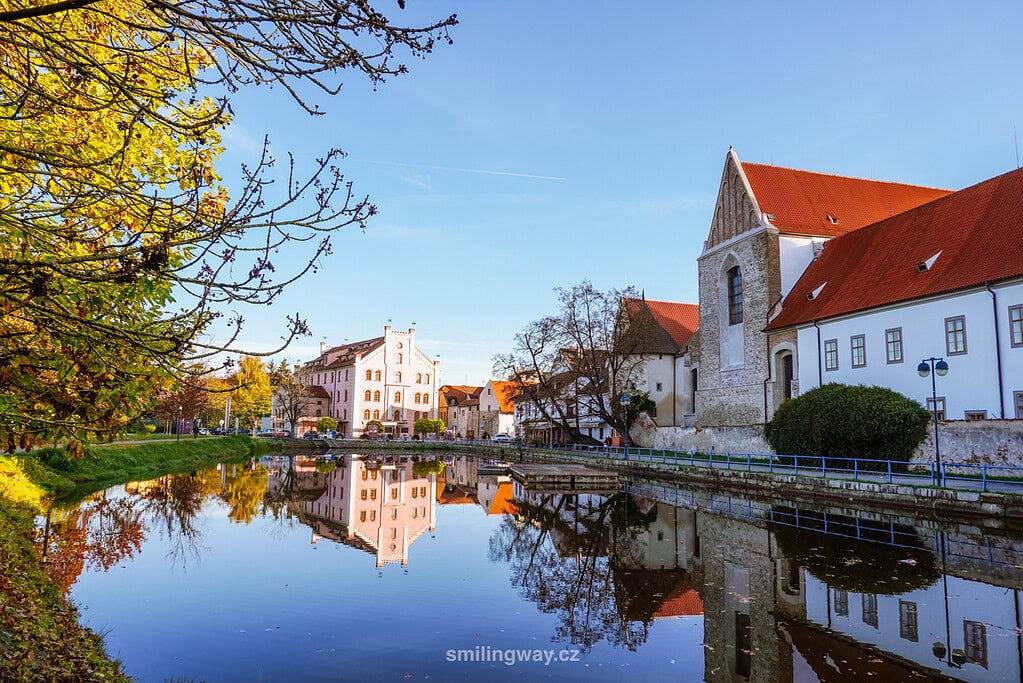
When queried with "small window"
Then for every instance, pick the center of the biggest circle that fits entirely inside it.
(870, 609)
(858, 344)
(1016, 325)
(734, 296)
(908, 629)
(975, 642)
(419, 378)
(831, 354)
(368, 395)
(373, 515)
(415, 492)
(955, 335)
(893, 345)
(376, 375)
(426, 398)
(397, 397)
(376, 414)
(974, 415)
(365, 414)
(376, 396)
(401, 359)
(841, 603)
(362, 516)
(422, 492)
(394, 513)
(373, 494)
(937, 405)
(397, 377)
(417, 397)
(369, 374)
(363, 494)
(394, 492)
(659, 387)
(397, 415)
(427, 379)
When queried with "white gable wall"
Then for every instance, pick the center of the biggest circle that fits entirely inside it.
(795, 255)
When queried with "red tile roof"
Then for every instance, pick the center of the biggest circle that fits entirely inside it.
(978, 232)
(802, 201)
(506, 393)
(684, 601)
(677, 321)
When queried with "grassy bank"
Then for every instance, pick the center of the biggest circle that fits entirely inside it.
(40, 638)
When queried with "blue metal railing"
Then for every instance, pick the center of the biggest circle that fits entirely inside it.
(952, 474)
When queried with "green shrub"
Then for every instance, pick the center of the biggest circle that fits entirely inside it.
(842, 421)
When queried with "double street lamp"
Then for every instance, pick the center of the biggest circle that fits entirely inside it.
(934, 366)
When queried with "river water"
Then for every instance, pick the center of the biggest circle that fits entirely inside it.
(388, 568)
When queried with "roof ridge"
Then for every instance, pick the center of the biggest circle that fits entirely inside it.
(843, 176)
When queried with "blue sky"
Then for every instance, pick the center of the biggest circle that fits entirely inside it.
(557, 141)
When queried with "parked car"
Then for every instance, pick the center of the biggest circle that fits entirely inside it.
(502, 438)
(267, 433)
(311, 435)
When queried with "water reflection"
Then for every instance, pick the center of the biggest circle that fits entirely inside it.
(740, 587)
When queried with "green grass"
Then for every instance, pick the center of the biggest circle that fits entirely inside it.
(103, 466)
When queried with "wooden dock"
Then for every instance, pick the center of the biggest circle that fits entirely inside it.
(553, 477)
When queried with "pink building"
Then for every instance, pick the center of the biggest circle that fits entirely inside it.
(381, 509)
(385, 379)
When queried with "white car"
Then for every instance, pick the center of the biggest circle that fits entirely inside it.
(502, 438)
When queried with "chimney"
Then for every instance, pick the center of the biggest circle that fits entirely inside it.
(323, 347)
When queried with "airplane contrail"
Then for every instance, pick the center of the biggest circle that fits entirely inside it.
(454, 169)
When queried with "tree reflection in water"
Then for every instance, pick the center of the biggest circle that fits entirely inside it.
(571, 555)
(99, 534)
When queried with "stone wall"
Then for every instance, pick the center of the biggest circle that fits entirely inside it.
(721, 439)
(988, 442)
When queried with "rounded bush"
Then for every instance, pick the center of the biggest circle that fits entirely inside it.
(843, 421)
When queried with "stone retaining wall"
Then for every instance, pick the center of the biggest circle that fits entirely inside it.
(989, 442)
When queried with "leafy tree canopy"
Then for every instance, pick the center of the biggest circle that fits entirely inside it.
(119, 244)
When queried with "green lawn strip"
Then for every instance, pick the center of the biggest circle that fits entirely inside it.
(40, 638)
(107, 465)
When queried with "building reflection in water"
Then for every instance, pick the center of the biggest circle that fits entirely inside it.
(380, 506)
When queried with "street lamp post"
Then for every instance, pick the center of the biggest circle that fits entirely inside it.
(934, 366)
(178, 430)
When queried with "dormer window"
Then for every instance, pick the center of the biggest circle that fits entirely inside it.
(832, 219)
(810, 296)
(925, 266)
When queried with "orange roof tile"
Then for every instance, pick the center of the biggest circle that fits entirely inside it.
(683, 601)
(503, 504)
(506, 393)
(976, 230)
(801, 202)
(677, 322)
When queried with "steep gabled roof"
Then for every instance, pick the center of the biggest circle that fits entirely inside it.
(959, 241)
(674, 324)
(505, 392)
(808, 203)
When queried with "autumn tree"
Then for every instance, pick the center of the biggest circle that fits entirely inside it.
(582, 360)
(292, 397)
(252, 395)
(119, 245)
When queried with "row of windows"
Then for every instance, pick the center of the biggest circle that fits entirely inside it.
(955, 344)
(974, 632)
(374, 396)
(374, 375)
(955, 341)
